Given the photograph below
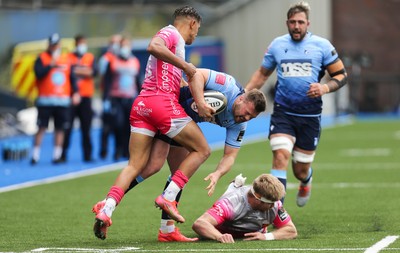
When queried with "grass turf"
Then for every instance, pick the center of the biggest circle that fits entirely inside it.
(354, 204)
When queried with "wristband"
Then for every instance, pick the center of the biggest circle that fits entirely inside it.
(269, 236)
(326, 88)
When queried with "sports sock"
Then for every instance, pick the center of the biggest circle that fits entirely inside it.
(307, 180)
(116, 193)
(109, 207)
(57, 152)
(178, 181)
(164, 215)
(135, 182)
(282, 177)
(167, 228)
(36, 153)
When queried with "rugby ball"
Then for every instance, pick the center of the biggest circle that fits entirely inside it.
(215, 99)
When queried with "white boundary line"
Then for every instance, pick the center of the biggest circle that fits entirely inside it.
(382, 244)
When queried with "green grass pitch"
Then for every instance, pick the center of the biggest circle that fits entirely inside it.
(355, 202)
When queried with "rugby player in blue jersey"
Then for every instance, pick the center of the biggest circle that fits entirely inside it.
(301, 59)
(241, 107)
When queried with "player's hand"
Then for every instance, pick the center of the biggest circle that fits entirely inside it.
(254, 236)
(315, 90)
(189, 70)
(226, 238)
(213, 177)
(206, 112)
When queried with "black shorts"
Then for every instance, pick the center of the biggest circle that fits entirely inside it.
(306, 130)
(60, 115)
(167, 140)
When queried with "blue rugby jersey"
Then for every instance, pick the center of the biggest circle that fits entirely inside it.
(227, 85)
(298, 65)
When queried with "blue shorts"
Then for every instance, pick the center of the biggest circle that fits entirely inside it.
(60, 115)
(306, 130)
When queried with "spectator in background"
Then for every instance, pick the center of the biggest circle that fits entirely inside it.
(112, 51)
(121, 86)
(55, 82)
(83, 67)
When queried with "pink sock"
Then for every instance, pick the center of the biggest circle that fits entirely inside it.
(180, 179)
(116, 193)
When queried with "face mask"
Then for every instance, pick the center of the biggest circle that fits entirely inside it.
(114, 48)
(56, 53)
(81, 49)
(125, 52)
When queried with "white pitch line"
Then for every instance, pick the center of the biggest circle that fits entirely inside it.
(382, 244)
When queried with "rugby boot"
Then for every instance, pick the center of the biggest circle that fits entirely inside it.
(101, 224)
(170, 208)
(175, 236)
(304, 193)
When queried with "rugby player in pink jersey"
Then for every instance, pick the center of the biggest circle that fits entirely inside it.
(246, 212)
(157, 110)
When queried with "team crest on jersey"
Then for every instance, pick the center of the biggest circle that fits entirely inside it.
(296, 67)
(282, 214)
(220, 79)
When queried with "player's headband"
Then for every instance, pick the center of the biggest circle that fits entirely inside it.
(260, 198)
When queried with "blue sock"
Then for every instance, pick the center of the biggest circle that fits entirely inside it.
(310, 172)
(282, 177)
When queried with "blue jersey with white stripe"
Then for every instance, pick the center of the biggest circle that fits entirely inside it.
(227, 85)
(298, 65)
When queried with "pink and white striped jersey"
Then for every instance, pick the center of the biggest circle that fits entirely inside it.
(163, 78)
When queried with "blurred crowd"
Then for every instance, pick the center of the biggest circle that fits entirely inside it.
(66, 83)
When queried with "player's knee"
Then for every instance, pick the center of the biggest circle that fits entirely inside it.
(281, 142)
(302, 157)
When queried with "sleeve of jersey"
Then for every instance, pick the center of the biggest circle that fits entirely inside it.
(222, 210)
(282, 217)
(169, 36)
(234, 135)
(330, 54)
(269, 60)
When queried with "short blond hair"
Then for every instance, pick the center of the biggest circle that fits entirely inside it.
(299, 7)
(269, 187)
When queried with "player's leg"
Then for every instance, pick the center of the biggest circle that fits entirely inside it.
(139, 149)
(67, 133)
(303, 156)
(85, 115)
(282, 139)
(168, 232)
(190, 137)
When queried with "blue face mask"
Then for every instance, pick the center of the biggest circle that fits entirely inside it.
(81, 49)
(125, 52)
(114, 48)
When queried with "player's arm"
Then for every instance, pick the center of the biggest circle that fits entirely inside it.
(224, 165)
(196, 85)
(338, 79)
(286, 232)
(258, 79)
(205, 227)
(158, 48)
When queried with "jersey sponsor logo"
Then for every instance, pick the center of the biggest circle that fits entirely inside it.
(240, 136)
(218, 210)
(296, 67)
(220, 79)
(165, 78)
(282, 214)
(164, 33)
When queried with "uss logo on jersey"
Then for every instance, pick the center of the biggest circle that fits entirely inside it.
(296, 67)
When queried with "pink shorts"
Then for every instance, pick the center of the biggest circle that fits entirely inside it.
(150, 114)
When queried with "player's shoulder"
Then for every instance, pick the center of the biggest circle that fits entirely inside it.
(319, 40)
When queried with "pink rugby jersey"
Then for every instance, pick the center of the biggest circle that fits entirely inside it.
(163, 78)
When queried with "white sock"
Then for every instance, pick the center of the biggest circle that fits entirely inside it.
(166, 228)
(171, 191)
(57, 152)
(36, 153)
(109, 207)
